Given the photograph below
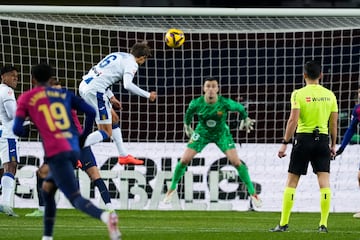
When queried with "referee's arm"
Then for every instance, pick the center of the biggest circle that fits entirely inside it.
(291, 124)
(290, 130)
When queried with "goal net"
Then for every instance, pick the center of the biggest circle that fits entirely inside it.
(257, 55)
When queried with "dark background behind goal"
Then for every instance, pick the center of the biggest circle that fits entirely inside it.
(258, 69)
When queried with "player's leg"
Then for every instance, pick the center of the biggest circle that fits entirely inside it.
(301, 153)
(89, 165)
(1, 172)
(244, 175)
(103, 117)
(357, 215)
(41, 174)
(321, 166)
(61, 168)
(48, 194)
(124, 156)
(325, 199)
(9, 157)
(179, 171)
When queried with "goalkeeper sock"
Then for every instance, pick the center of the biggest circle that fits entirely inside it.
(244, 176)
(180, 170)
(325, 199)
(288, 202)
(118, 139)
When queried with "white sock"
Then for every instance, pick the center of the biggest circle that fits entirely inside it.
(8, 183)
(95, 137)
(109, 207)
(118, 140)
(46, 238)
(105, 217)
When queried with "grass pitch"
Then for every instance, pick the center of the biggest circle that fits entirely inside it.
(184, 225)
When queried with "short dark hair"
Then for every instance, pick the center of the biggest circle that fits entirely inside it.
(141, 49)
(312, 69)
(211, 79)
(7, 69)
(42, 72)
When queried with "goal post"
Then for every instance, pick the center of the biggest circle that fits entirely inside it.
(257, 55)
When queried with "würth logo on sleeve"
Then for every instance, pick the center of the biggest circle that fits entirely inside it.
(308, 99)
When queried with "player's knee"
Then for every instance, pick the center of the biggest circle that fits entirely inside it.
(10, 167)
(49, 187)
(43, 171)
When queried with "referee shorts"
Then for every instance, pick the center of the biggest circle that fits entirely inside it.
(307, 149)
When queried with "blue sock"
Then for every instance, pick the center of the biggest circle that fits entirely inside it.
(103, 190)
(86, 206)
(50, 212)
(39, 182)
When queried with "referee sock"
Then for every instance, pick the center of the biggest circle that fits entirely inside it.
(118, 140)
(244, 176)
(95, 137)
(180, 170)
(288, 202)
(325, 199)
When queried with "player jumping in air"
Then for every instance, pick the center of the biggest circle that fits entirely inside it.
(95, 89)
(212, 110)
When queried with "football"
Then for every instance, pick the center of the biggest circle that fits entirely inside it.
(174, 38)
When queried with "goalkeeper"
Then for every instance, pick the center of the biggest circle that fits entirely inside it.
(212, 110)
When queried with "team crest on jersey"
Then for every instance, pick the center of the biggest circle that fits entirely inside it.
(211, 123)
(10, 92)
(219, 113)
(308, 99)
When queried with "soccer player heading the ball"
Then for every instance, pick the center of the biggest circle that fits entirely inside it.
(212, 110)
(314, 114)
(50, 110)
(95, 90)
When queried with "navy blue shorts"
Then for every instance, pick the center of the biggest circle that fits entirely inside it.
(62, 172)
(87, 158)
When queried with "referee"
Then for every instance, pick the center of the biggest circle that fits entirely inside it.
(314, 114)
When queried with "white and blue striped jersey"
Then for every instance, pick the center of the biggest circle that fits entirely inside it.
(115, 67)
(7, 111)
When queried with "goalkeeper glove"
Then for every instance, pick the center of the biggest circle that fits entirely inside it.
(247, 124)
(188, 130)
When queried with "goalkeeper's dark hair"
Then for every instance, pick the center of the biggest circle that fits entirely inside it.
(211, 79)
(42, 73)
(312, 69)
(141, 50)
